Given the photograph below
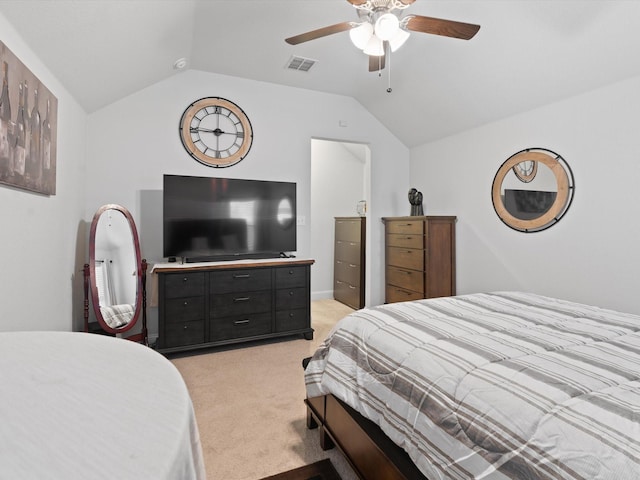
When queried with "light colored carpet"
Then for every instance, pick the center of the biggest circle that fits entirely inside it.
(249, 404)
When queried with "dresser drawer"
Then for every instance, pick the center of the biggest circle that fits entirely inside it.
(347, 251)
(178, 285)
(240, 280)
(347, 272)
(349, 230)
(291, 277)
(240, 303)
(183, 333)
(394, 294)
(288, 298)
(405, 240)
(347, 294)
(405, 278)
(412, 259)
(239, 326)
(292, 319)
(178, 310)
(405, 226)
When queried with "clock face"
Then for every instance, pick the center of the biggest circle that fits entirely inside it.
(216, 132)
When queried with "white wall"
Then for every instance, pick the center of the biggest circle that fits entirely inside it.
(136, 141)
(592, 254)
(338, 179)
(42, 239)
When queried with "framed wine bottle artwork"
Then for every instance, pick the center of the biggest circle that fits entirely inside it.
(28, 128)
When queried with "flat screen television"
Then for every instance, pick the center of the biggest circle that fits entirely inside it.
(211, 219)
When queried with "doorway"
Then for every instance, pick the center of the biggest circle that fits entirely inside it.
(340, 178)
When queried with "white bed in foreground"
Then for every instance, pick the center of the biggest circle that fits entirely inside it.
(495, 386)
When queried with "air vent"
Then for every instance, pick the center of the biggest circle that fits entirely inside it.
(300, 63)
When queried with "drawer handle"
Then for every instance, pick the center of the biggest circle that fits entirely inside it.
(242, 275)
(291, 293)
(352, 265)
(241, 299)
(339, 282)
(352, 287)
(290, 272)
(185, 279)
(291, 315)
(185, 303)
(241, 322)
(185, 327)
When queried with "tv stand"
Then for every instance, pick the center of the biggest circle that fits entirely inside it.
(220, 303)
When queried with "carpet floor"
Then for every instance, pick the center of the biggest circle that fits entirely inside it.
(248, 402)
(322, 470)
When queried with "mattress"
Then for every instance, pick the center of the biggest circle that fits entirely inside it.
(493, 386)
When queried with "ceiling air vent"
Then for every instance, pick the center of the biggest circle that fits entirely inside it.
(300, 63)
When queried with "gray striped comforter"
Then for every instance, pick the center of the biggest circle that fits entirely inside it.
(493, 386)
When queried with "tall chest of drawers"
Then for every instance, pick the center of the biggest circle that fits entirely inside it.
(419, 257)
(227, 302)
(349, 261)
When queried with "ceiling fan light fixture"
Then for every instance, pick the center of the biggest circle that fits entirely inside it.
(398, 39)
(375, 47)
(361, 35)
(387, 26)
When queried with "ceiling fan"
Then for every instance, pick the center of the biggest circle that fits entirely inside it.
(380, 29)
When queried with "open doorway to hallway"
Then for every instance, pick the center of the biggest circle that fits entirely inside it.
(340, 178)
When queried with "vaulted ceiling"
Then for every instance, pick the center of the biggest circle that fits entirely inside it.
(527, 53)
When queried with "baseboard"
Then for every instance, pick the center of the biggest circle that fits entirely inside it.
(327, 294)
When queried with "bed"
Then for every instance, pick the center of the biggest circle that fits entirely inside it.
(485, 386)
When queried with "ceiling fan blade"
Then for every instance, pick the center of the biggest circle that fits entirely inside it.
(321, 32)
(440, 26)
(376, 63)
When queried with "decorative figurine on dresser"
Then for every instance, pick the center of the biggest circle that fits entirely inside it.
(415, 199)
(420, 258)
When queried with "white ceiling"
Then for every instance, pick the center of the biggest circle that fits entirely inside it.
(526, 54)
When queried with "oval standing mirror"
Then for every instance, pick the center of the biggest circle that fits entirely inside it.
(116, 272)
(532, 190)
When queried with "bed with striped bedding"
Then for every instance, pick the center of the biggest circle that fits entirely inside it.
(505, 385)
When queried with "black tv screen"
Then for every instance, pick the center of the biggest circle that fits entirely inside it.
(209, 219)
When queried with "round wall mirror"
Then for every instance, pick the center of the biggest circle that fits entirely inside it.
(532, 190)
(116, 270)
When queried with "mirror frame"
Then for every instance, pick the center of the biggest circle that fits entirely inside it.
(92, 270)
(564, 196)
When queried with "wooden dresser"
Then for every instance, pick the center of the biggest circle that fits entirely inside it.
(205, 305)
(349, 261)
(420, 257)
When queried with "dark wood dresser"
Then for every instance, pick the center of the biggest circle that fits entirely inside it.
(420, 257)
(349, 261)
(204, 305)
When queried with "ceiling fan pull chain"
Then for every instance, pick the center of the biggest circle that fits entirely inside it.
(389, 71)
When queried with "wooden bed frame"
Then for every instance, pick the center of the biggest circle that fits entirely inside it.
(370, 452)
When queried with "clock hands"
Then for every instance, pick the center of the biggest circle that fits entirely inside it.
(217, 132)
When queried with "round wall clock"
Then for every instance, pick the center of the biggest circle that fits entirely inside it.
(216, 132)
